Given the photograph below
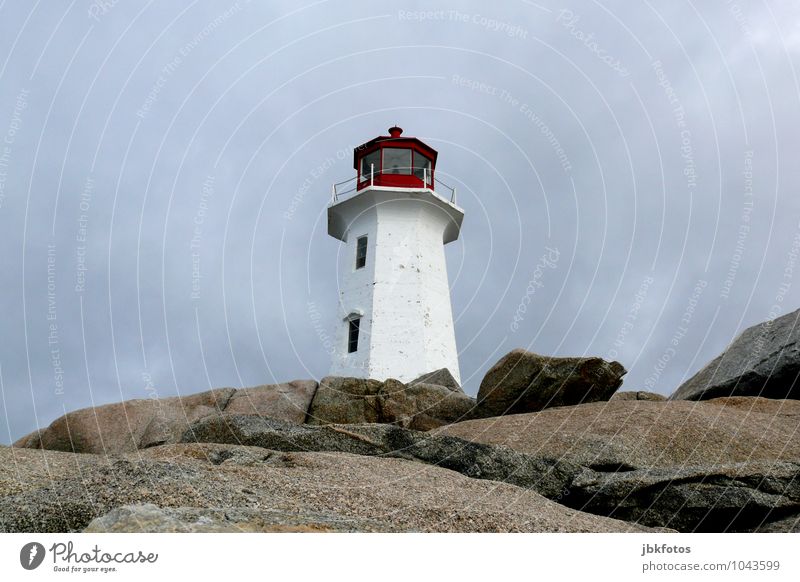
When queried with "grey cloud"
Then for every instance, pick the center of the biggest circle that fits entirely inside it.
(549, 144)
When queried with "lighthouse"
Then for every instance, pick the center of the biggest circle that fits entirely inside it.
(394, 217)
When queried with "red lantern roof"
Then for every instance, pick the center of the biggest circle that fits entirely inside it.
(395, 161)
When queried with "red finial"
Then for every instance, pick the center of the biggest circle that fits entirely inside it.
(395, 131)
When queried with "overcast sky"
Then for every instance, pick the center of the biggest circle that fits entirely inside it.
(629, 173)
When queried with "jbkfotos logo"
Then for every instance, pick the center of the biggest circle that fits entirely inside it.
(31, 555)
(66, 559)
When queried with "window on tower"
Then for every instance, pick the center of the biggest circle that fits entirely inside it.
(361, 252)
(352, 335)
(396, 161)
(368, 161)
(422, 167)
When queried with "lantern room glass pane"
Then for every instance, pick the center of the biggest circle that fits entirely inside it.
(422, 166)
(371, 158)
(396, 161)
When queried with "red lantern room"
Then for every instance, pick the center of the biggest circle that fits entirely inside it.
(394, 161)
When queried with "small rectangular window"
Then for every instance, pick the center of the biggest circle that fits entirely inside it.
(352, 335)
(361, 252)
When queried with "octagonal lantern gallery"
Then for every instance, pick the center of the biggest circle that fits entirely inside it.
(395, 161)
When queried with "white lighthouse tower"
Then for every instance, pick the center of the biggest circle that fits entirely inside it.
(395, 318)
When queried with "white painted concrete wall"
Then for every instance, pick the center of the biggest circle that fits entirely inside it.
(355, 297)
(403, 291)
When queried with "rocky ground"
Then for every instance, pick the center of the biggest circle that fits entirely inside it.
(213, 487)
(548, 445)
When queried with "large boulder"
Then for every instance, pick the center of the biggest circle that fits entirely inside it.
(345, 401)
(789, 524)
(526, 382)
(355, 400)
(149, 518)
(627, 435)
(686, 497)
(289, 401)
(717, 498)
(763, 361)
(547, 476)
(728, 464)
(126, 426)
(440, 377)
(235, 487)
(25, 469)
(137, 424)
(638, 395)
